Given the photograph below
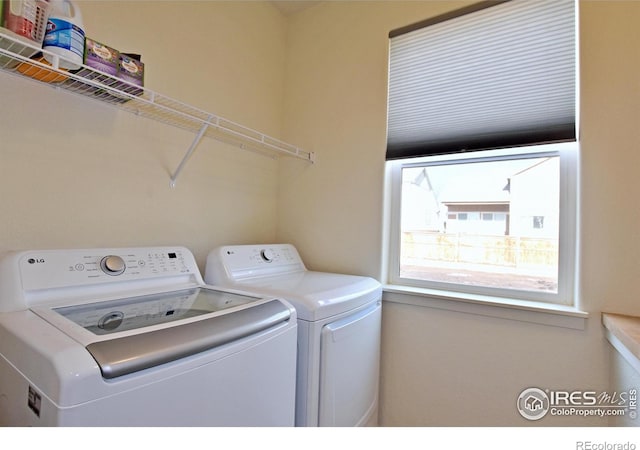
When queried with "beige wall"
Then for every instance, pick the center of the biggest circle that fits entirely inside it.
(80, 174)
(610, 96)
(442, 367)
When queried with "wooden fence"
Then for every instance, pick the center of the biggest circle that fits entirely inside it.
(508, 251)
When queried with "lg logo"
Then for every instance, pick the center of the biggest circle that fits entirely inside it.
(35, 260)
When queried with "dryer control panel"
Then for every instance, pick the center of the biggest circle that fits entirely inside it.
(239, 262)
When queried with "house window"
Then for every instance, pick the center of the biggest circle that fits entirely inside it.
(482, 151)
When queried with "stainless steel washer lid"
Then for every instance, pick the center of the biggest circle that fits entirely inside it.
(135, 333)
(130, 354)
(317, 295)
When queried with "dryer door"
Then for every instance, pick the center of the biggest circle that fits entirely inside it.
(349, 368)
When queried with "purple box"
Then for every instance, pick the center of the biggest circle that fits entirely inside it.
(131, 70)
(101, 57)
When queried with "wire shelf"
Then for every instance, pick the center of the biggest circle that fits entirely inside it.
(19, 56)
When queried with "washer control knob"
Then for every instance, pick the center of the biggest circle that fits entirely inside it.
(112, 265)
(268, 255)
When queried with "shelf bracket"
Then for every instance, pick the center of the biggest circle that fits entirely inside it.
(190, 151)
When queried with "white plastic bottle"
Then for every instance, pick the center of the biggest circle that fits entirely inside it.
(65, 34)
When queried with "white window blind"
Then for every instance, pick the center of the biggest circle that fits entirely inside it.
(499, 76)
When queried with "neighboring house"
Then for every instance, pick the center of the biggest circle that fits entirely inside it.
(535, 198)
(510, 204)
(425, 213)
(478, 206)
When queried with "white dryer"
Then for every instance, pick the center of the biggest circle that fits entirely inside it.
(133, 337)
(339, 318)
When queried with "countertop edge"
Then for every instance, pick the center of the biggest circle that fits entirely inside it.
(626, 329)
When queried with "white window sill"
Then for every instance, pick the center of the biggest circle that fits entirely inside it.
(521, 310)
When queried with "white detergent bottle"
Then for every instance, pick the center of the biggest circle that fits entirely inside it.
(65, 34)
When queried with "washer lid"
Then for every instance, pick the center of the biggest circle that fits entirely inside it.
(131, 334)
(127, 314)
(317, 295)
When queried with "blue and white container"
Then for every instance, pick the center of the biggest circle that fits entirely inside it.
(65, 35)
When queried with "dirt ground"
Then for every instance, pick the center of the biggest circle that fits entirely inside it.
(493, 278)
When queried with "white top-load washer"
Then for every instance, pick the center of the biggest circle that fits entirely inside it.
(339, 319)
(133, 337)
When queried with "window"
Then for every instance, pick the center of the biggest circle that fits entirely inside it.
(482, 151)
(538, 222)
(523, 248)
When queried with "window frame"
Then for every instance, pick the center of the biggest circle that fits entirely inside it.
(568, 235)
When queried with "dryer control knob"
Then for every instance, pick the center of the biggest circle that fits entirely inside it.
(112, 265)
(268, 255)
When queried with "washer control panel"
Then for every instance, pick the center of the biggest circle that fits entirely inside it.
(68, 268)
